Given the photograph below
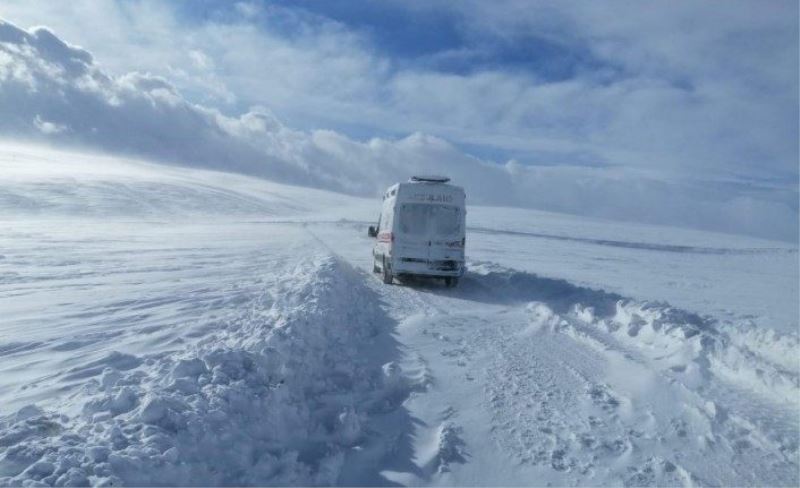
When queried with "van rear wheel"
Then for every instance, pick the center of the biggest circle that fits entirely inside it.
(386, 273)
(451, 281)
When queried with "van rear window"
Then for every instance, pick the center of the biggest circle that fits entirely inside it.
(420, 219)
(446, 219)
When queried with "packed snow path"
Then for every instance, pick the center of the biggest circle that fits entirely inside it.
(168, 327)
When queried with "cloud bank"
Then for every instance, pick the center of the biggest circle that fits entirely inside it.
(52, 91)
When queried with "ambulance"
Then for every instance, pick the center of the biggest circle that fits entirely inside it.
(421, 231)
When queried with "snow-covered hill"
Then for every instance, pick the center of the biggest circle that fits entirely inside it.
(163, 325)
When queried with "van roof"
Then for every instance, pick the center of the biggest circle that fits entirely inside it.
(429, 179)
(425, 187)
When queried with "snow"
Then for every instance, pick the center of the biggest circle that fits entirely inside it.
(167, 326)
(276, 392)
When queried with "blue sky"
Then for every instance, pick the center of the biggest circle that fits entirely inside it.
(686, 96)
(412, 38)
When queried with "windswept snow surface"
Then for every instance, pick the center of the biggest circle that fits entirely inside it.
(165, 326)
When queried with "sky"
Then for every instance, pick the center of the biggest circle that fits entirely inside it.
(681, 113)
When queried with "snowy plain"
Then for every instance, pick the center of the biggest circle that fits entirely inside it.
(169, 326)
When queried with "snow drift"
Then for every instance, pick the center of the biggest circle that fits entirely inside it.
(686, 345)
(276, 396)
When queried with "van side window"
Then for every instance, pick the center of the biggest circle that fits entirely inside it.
(385, 223)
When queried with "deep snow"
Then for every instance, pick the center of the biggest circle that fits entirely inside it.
(172, 326)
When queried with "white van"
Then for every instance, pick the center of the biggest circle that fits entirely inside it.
(421, 230)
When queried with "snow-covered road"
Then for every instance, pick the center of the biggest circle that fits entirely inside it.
(536, 380)
(165, 326)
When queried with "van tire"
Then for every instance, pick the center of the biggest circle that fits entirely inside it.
(451, 281)
(386, 273)
(375, 268)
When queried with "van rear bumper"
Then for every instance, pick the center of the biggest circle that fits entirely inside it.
(428, 268)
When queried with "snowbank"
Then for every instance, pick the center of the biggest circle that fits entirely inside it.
(681, 343)
(275, 396)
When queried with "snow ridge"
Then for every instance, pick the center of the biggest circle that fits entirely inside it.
(670, 398)
(684, 344)
(275, 397)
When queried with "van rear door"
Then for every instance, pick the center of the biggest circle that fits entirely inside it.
(446, 233)
(430, 232)
(413, 240)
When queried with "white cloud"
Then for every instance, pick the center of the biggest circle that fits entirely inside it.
(687, 86)
(46, 80)
(48, 128)
(200, 60)
(701, 86)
